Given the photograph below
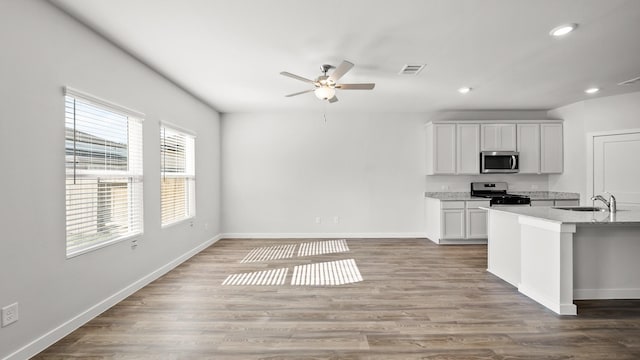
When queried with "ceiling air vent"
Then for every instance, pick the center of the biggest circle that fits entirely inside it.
(630, 81)
(411, 69)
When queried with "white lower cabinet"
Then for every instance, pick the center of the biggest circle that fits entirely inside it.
(476, 224)
(452, 224)
(476, 219)
(456, 221)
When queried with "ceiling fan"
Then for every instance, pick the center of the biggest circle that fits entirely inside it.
(324, 86)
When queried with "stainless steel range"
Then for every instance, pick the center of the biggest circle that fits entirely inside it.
(497, 192)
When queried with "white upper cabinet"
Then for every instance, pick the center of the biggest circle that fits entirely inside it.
(529, 148)
(468, 149)
(453, 147)
(441, 148)
(498, 137)
(551, 149)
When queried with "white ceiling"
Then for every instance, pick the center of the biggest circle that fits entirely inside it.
(230, 52)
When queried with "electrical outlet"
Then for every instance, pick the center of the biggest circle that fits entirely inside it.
(534, 187)
(318, 220)
(206, 226)
(9, 314)
(445, 187)
(336, 219)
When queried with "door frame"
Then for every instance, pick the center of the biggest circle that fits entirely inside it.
(591, 137)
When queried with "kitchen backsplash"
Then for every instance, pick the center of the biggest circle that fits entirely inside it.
(517, 182)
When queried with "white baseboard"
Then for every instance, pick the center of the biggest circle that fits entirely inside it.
(462, 242)
(69, 326)
(605, 294)
(558, 308)
(504, 277)
(321, 235)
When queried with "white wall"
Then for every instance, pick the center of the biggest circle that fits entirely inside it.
(601, 114)
(42, 51)
(281, 171)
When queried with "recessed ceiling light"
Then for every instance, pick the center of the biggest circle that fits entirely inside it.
(464, 90)
(563, 30)
(592, 90)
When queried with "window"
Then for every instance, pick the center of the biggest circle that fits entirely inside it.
(103, 160)
(178, 188)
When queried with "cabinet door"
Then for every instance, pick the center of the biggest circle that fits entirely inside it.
(507, 137)
(444, 149)
(529, 148)
(489, 137)
(476, 224)
(498, 137)
(468, 149)
(551, 150)
(452, 226)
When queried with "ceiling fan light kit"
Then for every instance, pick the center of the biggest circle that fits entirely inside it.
(325, 92)
(325, 85)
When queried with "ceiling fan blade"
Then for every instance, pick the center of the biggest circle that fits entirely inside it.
(369, 86)
(340, 71)
(300, 92)
(294, 76)
(333, 99)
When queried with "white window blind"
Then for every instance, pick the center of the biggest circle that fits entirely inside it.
(178, 188)
(103, 156)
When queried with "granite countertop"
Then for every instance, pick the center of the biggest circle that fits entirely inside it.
(534, 195)
(548, 195)
(622, 216)
(453, 196)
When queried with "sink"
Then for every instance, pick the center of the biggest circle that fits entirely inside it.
(580, 208)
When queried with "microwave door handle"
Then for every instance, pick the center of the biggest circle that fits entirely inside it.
(513, 162)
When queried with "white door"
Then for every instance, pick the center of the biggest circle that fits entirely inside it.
(616, 168)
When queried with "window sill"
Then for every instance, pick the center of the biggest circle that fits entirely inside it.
(178, 222)
(101, 245)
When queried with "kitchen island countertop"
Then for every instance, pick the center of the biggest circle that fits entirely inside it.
(622, 216)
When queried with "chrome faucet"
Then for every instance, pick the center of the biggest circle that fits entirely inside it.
(611, 203)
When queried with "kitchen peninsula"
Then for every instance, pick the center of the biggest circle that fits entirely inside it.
(557, 256)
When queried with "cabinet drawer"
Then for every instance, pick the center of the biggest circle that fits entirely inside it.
(474, 204)
(452, 205)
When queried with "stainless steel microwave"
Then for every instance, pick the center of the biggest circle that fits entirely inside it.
(492, 162)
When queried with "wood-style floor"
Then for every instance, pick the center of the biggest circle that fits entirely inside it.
(417, 300)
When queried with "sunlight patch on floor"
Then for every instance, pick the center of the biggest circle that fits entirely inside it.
(327, 273)
(323, 247)
(265, 277)
(270, 253)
